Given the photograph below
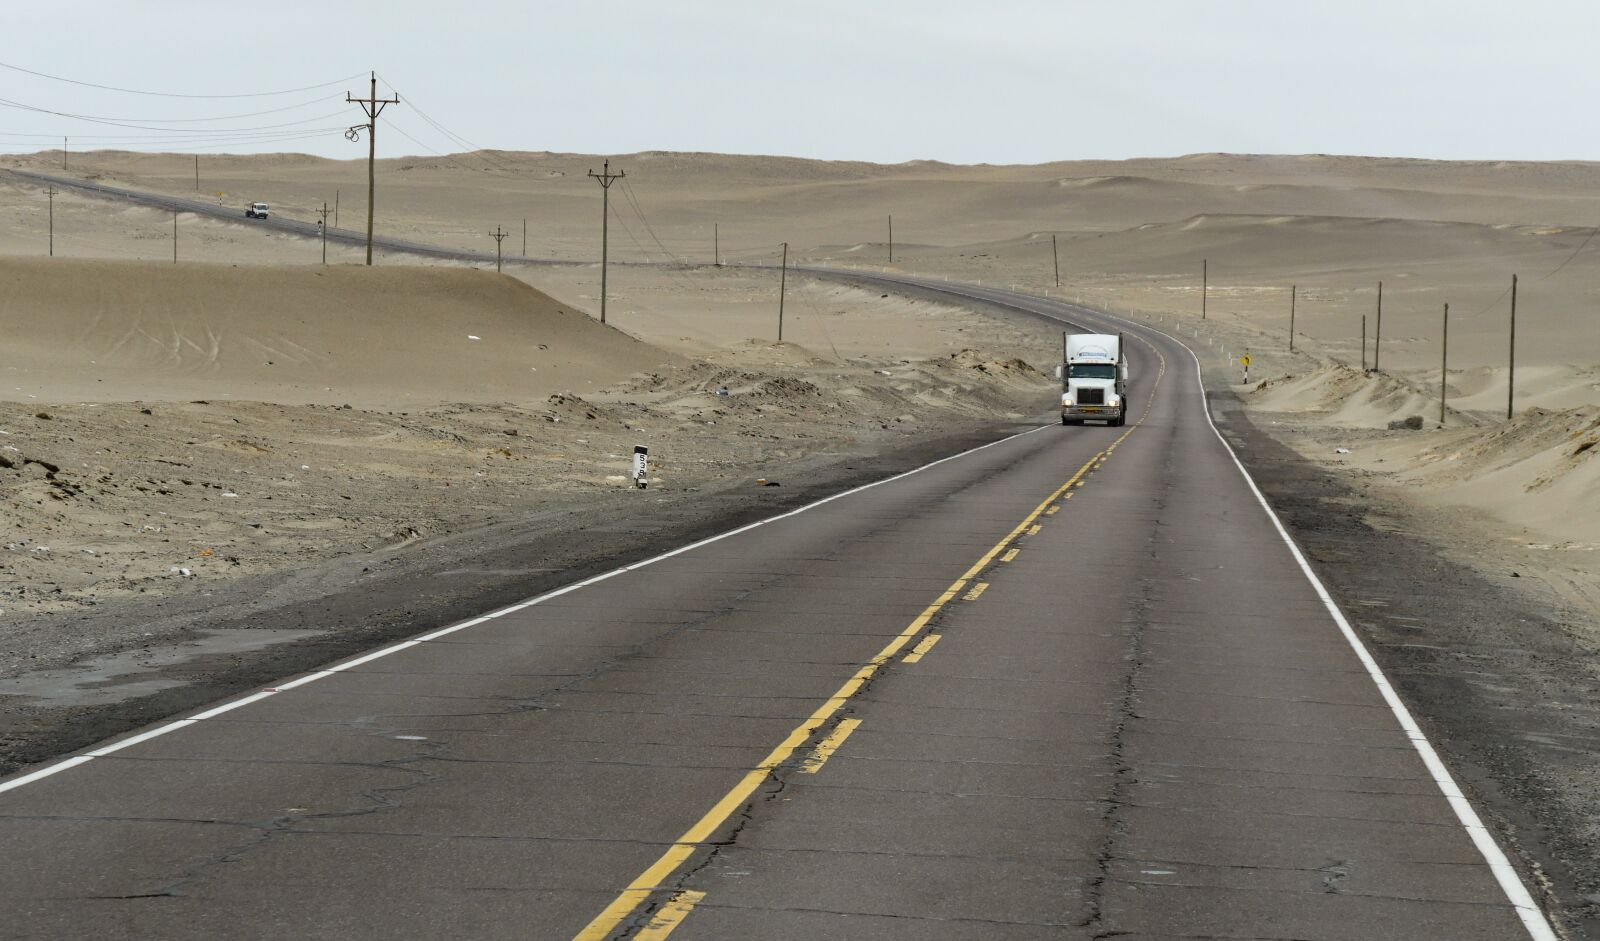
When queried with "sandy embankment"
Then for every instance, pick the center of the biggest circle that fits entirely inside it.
(223, 421)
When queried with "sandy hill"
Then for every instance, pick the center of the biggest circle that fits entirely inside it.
(373, 337)
(669, 202)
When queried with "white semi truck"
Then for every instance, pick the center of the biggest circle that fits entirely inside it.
(1094, 379)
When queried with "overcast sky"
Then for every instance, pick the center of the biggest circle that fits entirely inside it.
(1003, 81)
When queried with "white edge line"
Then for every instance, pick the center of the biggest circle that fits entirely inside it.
(1533, 917)
(325, 672)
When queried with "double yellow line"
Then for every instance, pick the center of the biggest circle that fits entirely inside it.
(678, 906)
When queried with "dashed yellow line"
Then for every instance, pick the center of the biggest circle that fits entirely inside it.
(920, 650)
(1034, 529)
(652, 879)
(829, 745)
(1053, 510)
(977, 590)
(1010, 554)
(670, 915)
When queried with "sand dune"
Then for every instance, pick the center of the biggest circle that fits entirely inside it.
(374, 337)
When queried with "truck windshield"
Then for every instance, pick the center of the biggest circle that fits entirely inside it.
(1092, 371)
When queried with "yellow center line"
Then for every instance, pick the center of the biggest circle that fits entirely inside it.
(663, 921)
(921, 649)
(651, 880)
(977, 590)
(829, 745)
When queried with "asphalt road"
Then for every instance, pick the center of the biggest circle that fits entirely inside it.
(1074, 684)
(232, 213)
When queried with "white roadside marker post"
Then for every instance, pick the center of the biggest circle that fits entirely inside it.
(641, 466)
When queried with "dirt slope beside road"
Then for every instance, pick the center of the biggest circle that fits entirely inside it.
(101, 331)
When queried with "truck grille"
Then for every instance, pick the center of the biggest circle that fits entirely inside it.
(1091, 396)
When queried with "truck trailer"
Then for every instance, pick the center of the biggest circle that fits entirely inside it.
(1094, 379)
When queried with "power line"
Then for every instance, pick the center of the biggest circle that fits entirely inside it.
(8, 103)
(221, 117)
(159, 94)
(468, 147)
(633, 202)
(1586, 241)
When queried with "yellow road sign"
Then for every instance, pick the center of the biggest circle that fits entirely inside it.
(1244, 360)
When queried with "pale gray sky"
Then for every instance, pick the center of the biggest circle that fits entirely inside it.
(1005, 81)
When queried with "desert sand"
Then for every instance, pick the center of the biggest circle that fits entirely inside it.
(1129, 235)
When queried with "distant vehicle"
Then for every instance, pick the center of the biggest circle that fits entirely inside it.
(1094, 379)
(257, 211)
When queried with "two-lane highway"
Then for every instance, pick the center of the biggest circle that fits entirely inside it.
(1074, 684)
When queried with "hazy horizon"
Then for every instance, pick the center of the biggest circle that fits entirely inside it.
(1018, 82)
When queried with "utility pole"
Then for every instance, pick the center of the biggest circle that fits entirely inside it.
(335, 209)
(323, 212)
(499, 237)
(1511, 375)
(51, 192)
(63, 154)
(524, 238)
(783, 287)
(1444, 361)
(1363, 344)
(1293, 290)
(605, 177)
(1377, 339)
(716, 247)
(371, 106)
(1205, 285)
(1056, 257)
(197, 173)
(891, 239)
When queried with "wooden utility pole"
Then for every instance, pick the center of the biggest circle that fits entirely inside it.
(1363, 344)
(371, 106)
(891, 239)
(716, 247)
(63, 154)
(197, 173)
(1444, 361)
(783, 287)
(1205, 285)
(1377, 338)
(51, 192)
(335, 209)
(1055, 256)
(1293, 290)
(323, 225)
(524, 238)
(605, 178)
(499, 237)
(1511, 372)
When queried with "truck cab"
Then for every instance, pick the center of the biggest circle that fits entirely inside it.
(1094, 379)
(257, 211)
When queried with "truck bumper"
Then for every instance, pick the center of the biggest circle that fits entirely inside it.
(1092, 413)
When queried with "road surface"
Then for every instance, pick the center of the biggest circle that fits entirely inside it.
(272, 223)
(1073, 684)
